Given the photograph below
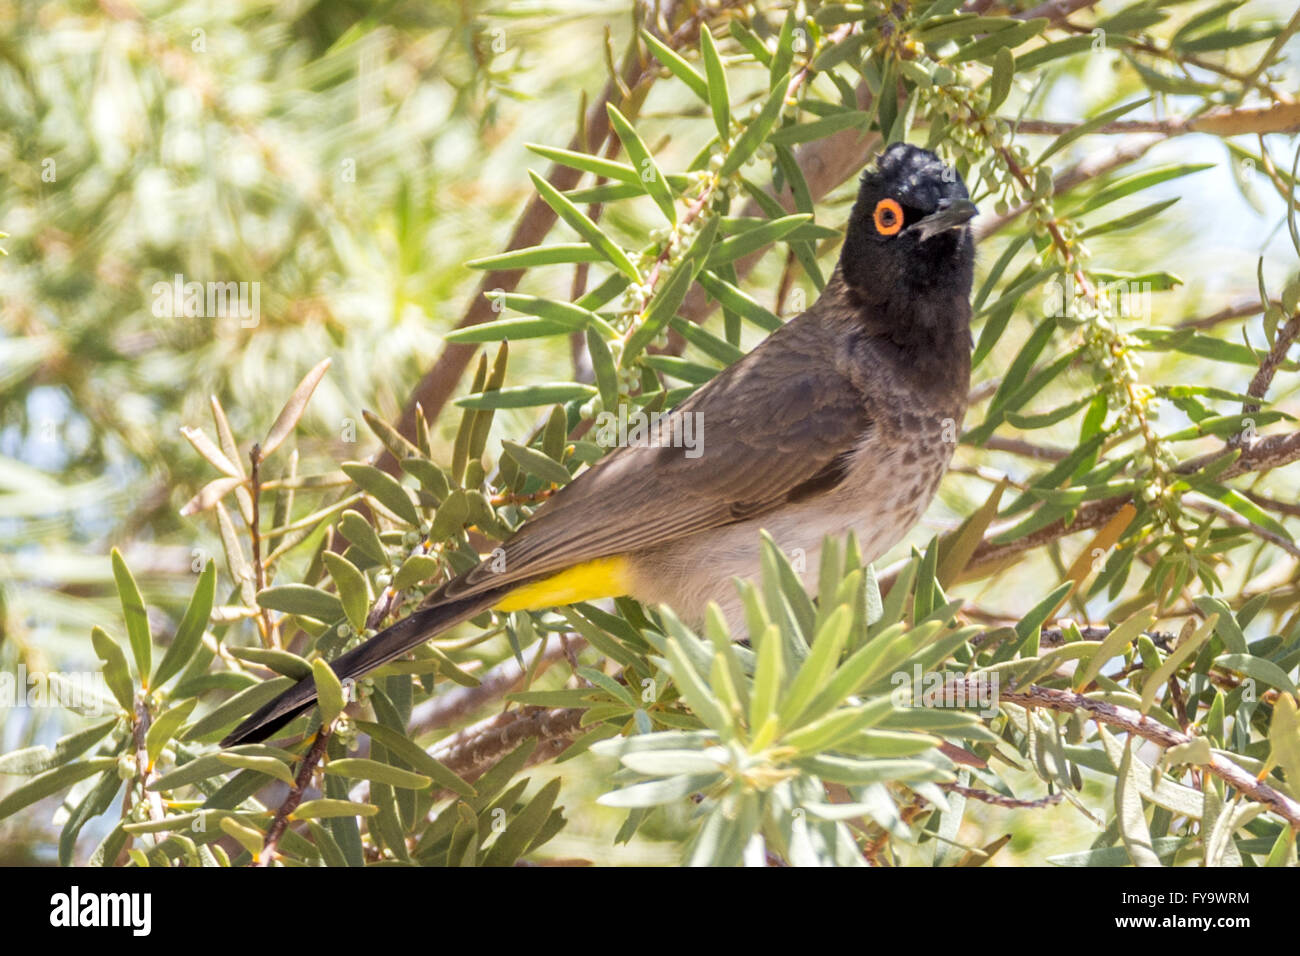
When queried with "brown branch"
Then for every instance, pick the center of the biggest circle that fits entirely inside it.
(999, 800)
(446, 709)
(1268, 367)
(1240, 309)
(1132, 722)
(1228, 121)
(281, 820)
(270, 636)
(1018, 446)
(1290, 508)
(1228, 516)
(1266, 453)
(476, 748)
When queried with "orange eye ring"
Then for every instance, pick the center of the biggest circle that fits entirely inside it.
(888, 217)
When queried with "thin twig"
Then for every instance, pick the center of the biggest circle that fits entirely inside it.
(291, 802)
(1134, 723)
(1000, 800)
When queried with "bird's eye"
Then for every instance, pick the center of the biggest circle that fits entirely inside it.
(888, 217)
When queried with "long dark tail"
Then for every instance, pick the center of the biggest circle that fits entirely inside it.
(393, 642)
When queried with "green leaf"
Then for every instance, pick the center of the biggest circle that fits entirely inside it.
(602, 363)
(676, 65)
(97, 801)
(1234, 639)
(560, 253)
(329, 692)
(520, 832)
(1129, 815)
(1114, 644)
(1008, 38)
(587, 163)
(52, 782)
(271, 766)
(1111, 856)
(136, 617)
(573, 317)
(649, 174)
(1136, 183)
(327, 808)
(507, 329)
(1260, 668)
(385, 489)
(783, 58)
(678, 368)
(360, 768)
(1135, 218)
(857, 773)
(730, 297)
(755, 131)
(362, 535)
(1160, 677)
(820, 128)
(189, 633)
(301, 599)
(1067, 47)
(655, 793)
(817, 666)
(1083, 129)
(1229, 39)
(584, 226)
(116, 674)
(282, 662)
(694, 691)
(1244, 507)
(1283, 740)
(164, 727)
(536, 463)
(669, 298)
(942, 29)
(241, 704)
(751, 240)
(1004, 71)
(528, 396)
(415, 755)
(38, 759)
(350, 584)
(716, 74)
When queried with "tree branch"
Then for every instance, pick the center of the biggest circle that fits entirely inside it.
(1134, 723)
(291, 802)
(1266, 453)
(1227, 121)
(473, 750)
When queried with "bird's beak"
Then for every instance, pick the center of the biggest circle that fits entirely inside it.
(950, 214)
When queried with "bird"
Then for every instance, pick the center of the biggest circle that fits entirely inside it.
(844, 418)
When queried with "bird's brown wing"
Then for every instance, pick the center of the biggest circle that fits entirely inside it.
(777, 426)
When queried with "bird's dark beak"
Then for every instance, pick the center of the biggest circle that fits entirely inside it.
(950, 214)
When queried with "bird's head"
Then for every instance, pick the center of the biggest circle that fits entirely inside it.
(909, 234)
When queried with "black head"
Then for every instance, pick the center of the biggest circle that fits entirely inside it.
(909, 237)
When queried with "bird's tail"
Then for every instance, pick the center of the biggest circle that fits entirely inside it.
(392, 642)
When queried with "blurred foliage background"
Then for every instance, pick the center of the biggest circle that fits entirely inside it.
(351, 158)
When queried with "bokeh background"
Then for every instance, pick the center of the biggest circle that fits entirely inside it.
(350, 158)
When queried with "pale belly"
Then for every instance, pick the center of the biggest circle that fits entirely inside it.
(884, 494)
